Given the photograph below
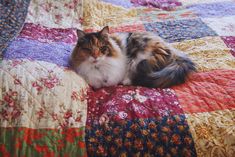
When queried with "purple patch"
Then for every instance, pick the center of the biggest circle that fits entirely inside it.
(57, 53)
(162, 4)
(123, 3)
(214, 9)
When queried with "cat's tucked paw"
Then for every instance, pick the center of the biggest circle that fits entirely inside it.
(126, 81)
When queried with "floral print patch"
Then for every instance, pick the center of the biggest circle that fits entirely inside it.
(48, 35)
(38, 94)
(166, 136)
(42, 142)
(213, 133)
(209, 53)
(56, 14)
(126, 103)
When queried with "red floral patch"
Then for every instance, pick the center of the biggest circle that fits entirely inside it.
(130, 103)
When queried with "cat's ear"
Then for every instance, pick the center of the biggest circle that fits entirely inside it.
(80, 33)
(105, 31)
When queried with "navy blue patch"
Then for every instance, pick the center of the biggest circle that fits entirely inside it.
(167, 136)
(179, 30)
(12, 17)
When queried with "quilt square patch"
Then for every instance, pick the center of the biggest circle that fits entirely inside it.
(44, 142)
(57, 52)
(179, 30)
(149, 15)
(223, 26)
(213, 133)
(168, 136)
(207, 91)
(230, 42)
(214, 9)
(127, 103)
(209, 53)
(128, 28)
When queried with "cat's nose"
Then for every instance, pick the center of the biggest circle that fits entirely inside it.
(96, 54)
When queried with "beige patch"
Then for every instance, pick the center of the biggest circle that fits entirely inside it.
(213, 133)
(208, 53)
(44, 95)
(97, 14)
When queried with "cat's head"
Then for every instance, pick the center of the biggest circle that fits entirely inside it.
(93, 47)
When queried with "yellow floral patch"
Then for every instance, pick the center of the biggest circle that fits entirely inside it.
(98, 14)
(209, 53)
(213, 133)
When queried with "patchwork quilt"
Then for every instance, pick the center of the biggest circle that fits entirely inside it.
(47, 110)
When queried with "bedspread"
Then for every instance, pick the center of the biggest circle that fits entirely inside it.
(46, 109)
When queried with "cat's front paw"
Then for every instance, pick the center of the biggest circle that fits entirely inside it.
(126, 81)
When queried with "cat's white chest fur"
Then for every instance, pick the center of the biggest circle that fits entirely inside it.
(106, 72)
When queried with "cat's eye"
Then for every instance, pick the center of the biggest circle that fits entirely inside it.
(86, 49)
(103, 49)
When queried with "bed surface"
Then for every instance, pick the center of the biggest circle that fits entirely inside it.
(46, 109)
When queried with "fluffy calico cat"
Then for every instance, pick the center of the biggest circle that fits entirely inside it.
(144, 59)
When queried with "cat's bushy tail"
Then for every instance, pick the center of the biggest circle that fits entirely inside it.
(172, 74)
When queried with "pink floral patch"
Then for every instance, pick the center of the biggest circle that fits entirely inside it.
(40, 113)
(58, 18)
(37, 86)
(16, 62)
(47, 35)
(126, 28)
(68, 114)
(50, 82)
(9, 109)
(75, 96)
(162, 4)
(47, 6)
(130, 103)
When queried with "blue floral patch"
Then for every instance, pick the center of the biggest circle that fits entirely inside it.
(167, 136)
(214, 9)
(179, 30)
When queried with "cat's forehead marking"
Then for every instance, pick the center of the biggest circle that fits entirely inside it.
(95, 40)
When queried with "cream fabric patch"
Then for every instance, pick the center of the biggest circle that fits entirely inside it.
(223, 26)
(37, 94)
(56, 14)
